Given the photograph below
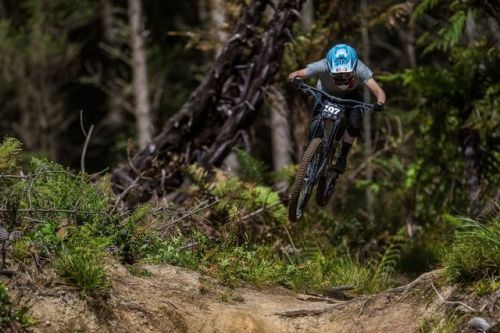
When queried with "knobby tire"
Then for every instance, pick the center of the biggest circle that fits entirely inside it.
(315, 147)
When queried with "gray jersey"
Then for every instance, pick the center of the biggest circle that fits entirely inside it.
(319, 69)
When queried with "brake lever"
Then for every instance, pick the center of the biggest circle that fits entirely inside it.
(364, 108)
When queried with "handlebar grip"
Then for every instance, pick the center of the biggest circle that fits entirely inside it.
(297, 82)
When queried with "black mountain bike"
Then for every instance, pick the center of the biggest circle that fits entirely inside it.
(316, 166)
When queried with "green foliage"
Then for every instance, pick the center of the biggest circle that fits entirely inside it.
(138, 271)
(475, 252)
(161, 251)
(260, 265)
(448, 37)
(130, 237)
(387, 265)
(235, 264)
(346, 271)
(421, 254)
(243, 200)
(452, 103)
(11, 319)
(422, 7)
(10, 149)
(250, 169)
(487, 286)
(81, 261)
(55, 188)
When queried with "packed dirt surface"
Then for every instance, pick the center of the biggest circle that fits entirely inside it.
(177, 300)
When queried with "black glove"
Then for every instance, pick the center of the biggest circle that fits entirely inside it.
(378, 107)
(297, 82)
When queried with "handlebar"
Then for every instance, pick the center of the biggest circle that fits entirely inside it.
(304, 87)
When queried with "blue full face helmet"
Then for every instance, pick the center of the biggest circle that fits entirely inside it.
(342, 60)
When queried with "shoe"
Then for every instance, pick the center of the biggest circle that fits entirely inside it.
(340, 165)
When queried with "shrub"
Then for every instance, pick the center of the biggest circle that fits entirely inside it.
(53, 187)
(81, 261)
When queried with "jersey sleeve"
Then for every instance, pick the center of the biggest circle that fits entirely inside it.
(316, 68)
(363, 72)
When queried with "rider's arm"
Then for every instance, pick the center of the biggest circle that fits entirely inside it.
(376, 90)
(301, 74)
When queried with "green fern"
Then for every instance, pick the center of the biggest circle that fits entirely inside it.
(310, 250)
(423, 7)
(250, 169)
(450, 35)
(387, 264)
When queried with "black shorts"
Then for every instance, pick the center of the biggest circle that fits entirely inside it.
(354, 116)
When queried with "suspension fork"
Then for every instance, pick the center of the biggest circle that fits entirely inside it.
(329, 143)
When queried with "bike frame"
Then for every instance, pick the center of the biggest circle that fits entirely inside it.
(329, 140)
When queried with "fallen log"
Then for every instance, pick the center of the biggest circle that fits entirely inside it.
(219, 111)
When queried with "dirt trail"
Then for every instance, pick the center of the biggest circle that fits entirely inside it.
(178, 300)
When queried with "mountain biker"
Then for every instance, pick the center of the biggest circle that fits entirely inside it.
(340, 74)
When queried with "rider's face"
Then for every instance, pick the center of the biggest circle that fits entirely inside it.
(343, 78)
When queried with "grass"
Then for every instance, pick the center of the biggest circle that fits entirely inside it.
(261, 266)
(486, 286)
(139, 272)
(448, 325)
(475, 252)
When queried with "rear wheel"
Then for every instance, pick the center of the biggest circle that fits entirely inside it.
(326, 187)
(304, 179)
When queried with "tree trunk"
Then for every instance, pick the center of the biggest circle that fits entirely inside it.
(207, 126)
(307, 15)
(367, 122)
(115, 115)
(470, 28)
(139, 74)
(471, 153)
(280, 131)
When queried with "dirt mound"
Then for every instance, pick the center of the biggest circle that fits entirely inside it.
(178, 300)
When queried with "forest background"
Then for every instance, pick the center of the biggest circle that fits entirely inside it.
(128, 66)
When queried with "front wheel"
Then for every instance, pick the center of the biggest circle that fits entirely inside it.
(304, 179)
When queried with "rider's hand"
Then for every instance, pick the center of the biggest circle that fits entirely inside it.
(378, 107)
